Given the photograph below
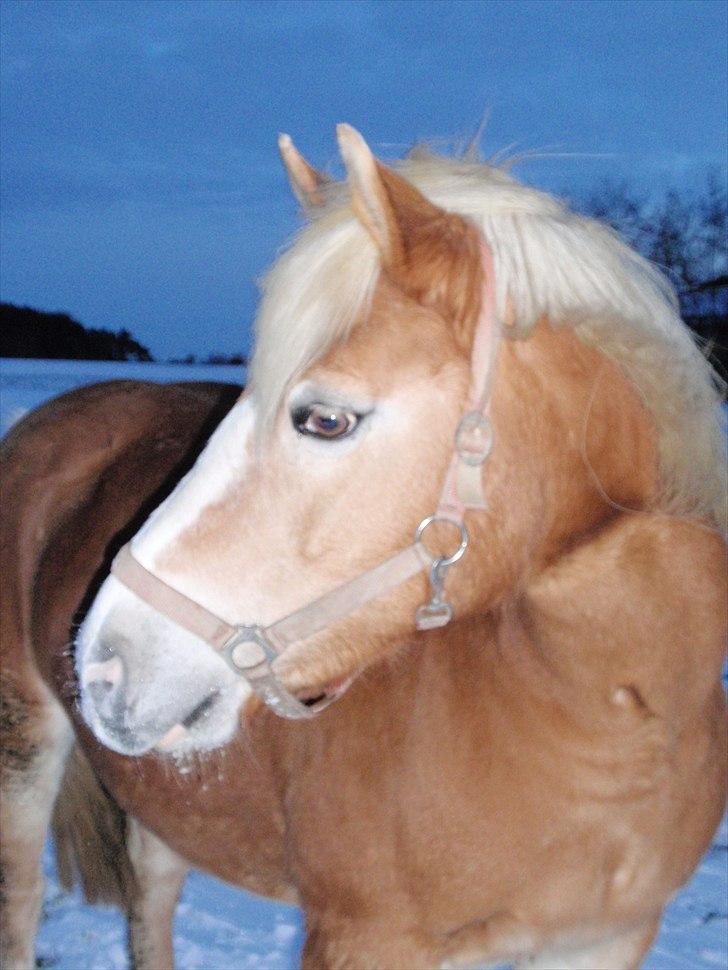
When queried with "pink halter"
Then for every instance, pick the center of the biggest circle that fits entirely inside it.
(251, 650)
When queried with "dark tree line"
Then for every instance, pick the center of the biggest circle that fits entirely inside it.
(686, 236)
(684, 233)
(25, 332)
(216, 359)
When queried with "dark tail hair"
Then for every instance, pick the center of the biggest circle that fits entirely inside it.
(89, 831)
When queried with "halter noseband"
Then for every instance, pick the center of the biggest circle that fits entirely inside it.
(251, 650)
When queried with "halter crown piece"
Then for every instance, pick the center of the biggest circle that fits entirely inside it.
(251, 650)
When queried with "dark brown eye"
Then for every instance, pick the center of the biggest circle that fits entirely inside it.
(324, 421)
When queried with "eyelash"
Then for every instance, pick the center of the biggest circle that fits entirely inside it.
(303, 416)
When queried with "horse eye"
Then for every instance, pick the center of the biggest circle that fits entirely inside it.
(324, 421)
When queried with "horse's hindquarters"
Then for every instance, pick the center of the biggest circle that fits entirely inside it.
(35, 737)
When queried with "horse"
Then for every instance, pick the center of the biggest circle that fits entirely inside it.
(427, 637)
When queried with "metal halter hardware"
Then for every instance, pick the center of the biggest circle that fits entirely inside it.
(250, 654)
(248, 649)
(438, 612)
(444, 561)
(251, 650)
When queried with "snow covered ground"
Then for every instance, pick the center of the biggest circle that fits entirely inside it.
(221, 927)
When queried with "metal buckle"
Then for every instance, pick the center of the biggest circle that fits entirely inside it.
(248, 648)
(474, 438)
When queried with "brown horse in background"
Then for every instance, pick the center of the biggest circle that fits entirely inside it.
(529, 783)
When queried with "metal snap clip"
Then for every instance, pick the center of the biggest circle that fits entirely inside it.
(437, 613)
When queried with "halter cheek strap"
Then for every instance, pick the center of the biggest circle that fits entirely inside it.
(251, 650)
(463, 488)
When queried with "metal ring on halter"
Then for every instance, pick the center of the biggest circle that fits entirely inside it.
(443, 560)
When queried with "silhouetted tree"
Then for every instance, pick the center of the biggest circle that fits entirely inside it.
(25, 332)
(226, 359)
(686, 236)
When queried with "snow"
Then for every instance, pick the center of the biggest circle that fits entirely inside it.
(218, 926)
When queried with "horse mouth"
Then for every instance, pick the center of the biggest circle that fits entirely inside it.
(201, 710)
(314, 699)
(180, 731)
(328, 693)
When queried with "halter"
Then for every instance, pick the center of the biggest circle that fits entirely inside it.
(250, 650)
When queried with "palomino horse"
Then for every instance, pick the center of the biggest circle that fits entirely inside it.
(434, 625)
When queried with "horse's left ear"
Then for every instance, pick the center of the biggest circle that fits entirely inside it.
(306, 181)
(433, 255)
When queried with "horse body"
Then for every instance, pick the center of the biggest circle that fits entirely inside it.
(516, 786)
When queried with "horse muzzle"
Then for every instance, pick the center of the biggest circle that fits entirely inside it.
(146, 684)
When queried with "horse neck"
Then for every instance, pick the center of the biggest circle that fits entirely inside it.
(573, 446)
(583, 432)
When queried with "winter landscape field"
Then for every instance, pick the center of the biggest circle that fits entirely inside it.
(221, 927)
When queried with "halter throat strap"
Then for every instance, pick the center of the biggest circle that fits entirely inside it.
(251, 650)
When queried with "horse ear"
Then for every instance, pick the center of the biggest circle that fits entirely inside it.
(305, 180)
(433, 255)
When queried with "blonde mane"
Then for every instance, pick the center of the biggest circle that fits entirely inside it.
(552, 263)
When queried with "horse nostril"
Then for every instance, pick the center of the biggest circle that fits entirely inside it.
(103, 681)
(110, 672)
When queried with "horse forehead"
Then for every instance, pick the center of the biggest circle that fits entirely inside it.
(397, 339)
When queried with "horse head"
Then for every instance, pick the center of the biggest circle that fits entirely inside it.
(367, 335)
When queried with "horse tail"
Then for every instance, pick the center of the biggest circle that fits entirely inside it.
(89, 832)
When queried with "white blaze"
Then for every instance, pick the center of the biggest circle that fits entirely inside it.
(223, 462)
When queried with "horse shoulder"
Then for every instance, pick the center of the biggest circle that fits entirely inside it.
(642, 603)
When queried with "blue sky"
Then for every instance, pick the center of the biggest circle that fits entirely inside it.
(141, 182)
